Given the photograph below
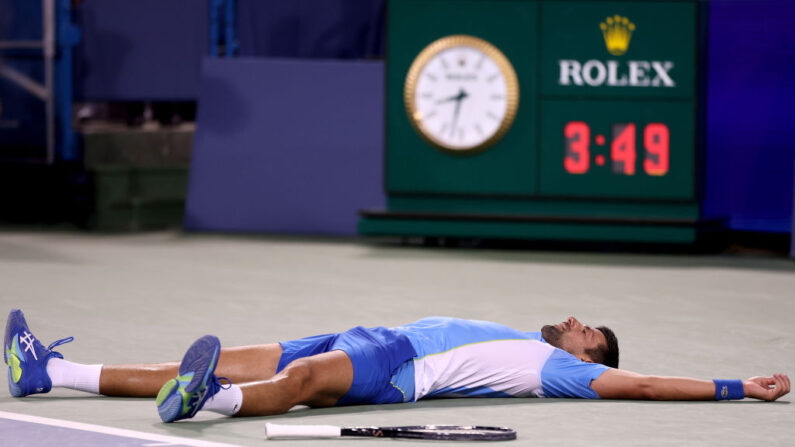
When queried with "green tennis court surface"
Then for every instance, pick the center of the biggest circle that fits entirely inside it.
(145, 298)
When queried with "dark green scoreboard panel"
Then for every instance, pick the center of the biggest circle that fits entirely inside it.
(604, 142)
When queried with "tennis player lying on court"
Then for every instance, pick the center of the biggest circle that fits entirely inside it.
(433, 357)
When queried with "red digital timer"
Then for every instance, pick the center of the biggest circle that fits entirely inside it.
(623, 155)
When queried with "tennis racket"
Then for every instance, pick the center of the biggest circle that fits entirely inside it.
(431, 432)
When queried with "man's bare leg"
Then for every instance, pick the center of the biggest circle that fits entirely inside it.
(239, 364)
(318, 381)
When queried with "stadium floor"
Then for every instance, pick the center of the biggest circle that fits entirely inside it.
(146, 297)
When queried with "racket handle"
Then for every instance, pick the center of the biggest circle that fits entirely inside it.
(301, 431)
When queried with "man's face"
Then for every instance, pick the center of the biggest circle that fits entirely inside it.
(574, 338)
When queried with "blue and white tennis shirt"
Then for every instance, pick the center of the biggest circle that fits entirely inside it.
(470, 358)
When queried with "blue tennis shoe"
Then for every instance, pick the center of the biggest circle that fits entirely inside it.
(184, 396)
(27, 358)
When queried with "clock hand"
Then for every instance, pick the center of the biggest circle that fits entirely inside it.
(455, 117)
(460, 97)
(451, 98)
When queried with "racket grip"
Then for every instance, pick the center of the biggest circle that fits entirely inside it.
(301, 431)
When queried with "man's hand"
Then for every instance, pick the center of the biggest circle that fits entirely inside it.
(767, 388)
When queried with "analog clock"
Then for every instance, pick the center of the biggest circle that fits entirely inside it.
(461, 94)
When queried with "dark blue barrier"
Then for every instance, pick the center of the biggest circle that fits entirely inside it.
(152, 49)
(287, 146)
(140, 50)
(22, 115)
(751, 113)
(326, 29)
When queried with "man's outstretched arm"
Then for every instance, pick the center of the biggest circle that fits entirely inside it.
(619, 384)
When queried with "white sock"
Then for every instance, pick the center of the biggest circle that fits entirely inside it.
(74, 375)
(226, 401)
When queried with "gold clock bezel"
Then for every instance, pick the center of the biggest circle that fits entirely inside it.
(502, 62)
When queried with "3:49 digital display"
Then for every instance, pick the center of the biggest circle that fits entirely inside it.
(611, 149)
(623, 148)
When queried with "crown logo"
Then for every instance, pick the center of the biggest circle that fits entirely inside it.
(617, 32)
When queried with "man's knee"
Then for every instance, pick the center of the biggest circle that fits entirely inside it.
(299, 374)
(319, 380)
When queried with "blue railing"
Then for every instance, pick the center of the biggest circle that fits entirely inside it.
(222, 17)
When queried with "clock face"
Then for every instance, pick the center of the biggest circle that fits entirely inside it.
(461, 94)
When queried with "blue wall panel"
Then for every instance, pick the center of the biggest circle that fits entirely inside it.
(289, 146)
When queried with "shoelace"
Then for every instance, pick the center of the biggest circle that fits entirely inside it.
(216, 383)
(60, 342)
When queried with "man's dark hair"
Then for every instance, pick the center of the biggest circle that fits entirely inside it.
(607, 355)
